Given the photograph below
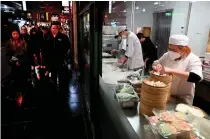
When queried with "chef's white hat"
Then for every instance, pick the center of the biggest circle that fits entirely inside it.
(121, 28)
(181, 40)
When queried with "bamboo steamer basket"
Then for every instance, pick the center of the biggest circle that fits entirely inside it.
(153, 103)
(145, 109)
(165, 79)
(152, 97)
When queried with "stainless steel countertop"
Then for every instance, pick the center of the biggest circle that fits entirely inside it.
(138, 121)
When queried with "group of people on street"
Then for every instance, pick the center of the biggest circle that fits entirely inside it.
(138, 51)
(43, 49)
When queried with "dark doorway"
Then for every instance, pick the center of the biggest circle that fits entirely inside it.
(162, 28)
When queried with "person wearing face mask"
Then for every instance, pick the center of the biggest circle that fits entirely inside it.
(184, 65)
(122, 46)
(133, 54)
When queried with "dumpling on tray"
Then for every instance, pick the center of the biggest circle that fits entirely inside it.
(167, 129)
(167, 116)
(181, 125)
(181, 116)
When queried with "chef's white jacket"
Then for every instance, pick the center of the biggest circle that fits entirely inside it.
(180, 87)
(122, 45)
(134, 52)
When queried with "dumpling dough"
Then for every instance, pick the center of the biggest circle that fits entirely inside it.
(182, 108)
(187, 109)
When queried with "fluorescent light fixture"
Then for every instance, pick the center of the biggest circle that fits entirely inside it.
(65, 3)
(137, 8)
(110, 6)
(156, 3)
(24, 5)
(144, 10)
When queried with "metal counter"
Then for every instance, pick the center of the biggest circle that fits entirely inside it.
(136, 120)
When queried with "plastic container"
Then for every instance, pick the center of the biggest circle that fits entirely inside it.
(206, 68)
(124, 103)
(206, 76)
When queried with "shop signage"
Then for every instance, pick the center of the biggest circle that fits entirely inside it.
(65, 10)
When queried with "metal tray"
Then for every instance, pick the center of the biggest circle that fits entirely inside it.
(126, 104)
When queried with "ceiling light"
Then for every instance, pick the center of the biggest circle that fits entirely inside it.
(124, 11)
(5, 6)
(137, 8)
(156, 3)
(143, 10)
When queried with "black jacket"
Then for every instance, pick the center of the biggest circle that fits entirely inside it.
(21, 56)
(34, 46)
(149, 50)
(26, 37)
(55, 51)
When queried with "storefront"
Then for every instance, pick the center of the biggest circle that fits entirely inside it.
(97, 25)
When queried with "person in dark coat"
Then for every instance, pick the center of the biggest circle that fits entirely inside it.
(18, 59)
(54, 53)
(149, 51)
(34, 46)
(25, 35)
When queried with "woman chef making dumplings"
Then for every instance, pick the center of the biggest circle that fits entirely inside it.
(184, 65)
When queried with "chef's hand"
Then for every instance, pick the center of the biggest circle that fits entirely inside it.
(114, 51)
(123, 59)
(165, 70)
(17, 64)
(157, 68)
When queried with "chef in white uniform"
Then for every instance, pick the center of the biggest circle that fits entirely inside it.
(184, 65)
(122, 45)
(133, 55)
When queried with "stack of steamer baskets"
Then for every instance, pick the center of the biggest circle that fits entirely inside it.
(155, 96)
